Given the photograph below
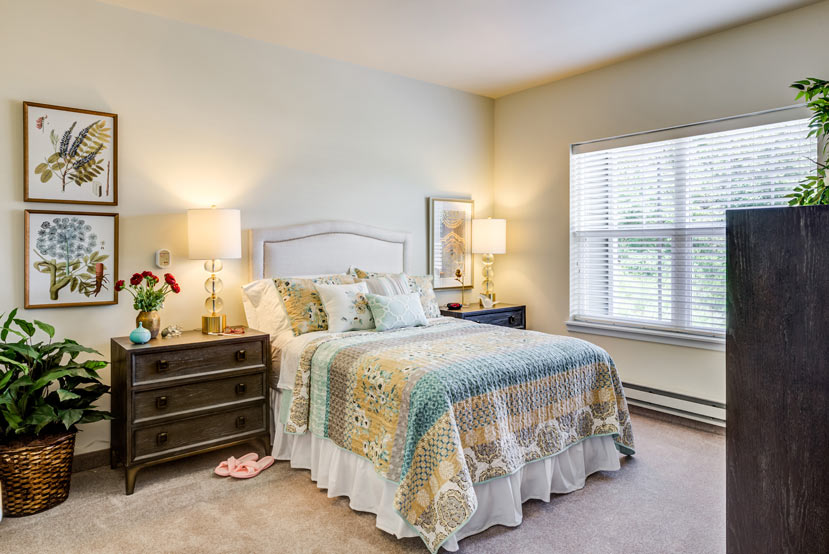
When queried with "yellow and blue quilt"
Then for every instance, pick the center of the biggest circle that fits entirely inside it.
(439, 408)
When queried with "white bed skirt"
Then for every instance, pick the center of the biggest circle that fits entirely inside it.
(344, 473)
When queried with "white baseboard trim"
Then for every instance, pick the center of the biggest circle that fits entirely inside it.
(697, 409)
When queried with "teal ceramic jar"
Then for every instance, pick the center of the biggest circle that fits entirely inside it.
(140, 335)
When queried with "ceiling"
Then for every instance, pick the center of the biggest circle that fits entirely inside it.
(488, 47)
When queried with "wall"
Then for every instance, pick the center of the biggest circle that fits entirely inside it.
(738, 71)
(210, 118)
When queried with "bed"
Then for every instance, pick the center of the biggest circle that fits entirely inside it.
(442, 430)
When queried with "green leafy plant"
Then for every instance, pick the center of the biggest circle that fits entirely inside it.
(75, 158)
(44, 387)
(814, 189)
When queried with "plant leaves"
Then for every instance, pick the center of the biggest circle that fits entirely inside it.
(5, 331)
(70, 417)
(40, 168)
(46, 175)
(27, 327)
(46, 328)
(64, 395)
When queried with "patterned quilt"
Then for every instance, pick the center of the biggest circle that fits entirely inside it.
(438, 408)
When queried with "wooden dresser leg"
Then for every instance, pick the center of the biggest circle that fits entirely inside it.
(129, 475)
(113, 459)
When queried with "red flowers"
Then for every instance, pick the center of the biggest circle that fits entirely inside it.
(170, 280)
(146, 297)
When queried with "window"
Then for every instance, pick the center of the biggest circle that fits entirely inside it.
(647, 220)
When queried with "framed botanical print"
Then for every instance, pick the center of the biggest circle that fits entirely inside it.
(70, 156)
(71, 258)
(450, 246)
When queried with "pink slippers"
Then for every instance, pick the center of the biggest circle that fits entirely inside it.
(252, 468)
(230, 465)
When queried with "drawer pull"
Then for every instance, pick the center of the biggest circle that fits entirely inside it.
(512, 320)
(161, 402)
(163, 365)
(241, 388)
(161, 439)
(241, 355)
(240, 421)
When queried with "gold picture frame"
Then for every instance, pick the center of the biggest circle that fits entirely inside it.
(61, 271)
(70, 155)
(450, 242)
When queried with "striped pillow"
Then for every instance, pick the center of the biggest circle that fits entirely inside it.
(421, 284)
(388, 285)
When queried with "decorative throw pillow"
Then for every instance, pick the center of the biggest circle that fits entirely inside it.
(396, 312)
(388, 285)
(346, 306)
(421, 284)
(302, 301)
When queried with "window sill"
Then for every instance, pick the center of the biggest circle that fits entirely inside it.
(648, 335)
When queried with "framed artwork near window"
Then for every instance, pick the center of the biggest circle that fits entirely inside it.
(450, 242)
(70, 156)
(71, 258)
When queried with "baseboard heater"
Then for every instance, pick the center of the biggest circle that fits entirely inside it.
(682, 405)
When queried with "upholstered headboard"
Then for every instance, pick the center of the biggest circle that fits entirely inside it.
(327, 247)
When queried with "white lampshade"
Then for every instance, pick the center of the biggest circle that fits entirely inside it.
(214, 234)
(489, 236)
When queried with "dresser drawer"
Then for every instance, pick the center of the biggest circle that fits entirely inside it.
(512, 318)
(169, 438)
(171, 401)
(153, 367)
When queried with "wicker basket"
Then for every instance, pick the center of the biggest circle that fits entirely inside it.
(36, 476)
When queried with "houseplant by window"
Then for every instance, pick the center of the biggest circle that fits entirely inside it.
(45, 391)
(814, 189)
(147, 299)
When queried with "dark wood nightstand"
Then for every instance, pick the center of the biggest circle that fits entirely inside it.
(176, 397)
(505, 315)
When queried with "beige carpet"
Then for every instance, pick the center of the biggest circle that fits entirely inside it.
(669, 498)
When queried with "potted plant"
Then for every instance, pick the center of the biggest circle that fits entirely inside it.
(147, 299)
(814, 189)
(45, 392)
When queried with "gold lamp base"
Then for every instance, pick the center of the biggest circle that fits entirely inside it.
(213, 323)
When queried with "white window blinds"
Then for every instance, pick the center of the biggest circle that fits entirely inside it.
(647, 221)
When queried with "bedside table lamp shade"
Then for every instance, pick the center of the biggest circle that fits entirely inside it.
(489, 237)
(213, 235)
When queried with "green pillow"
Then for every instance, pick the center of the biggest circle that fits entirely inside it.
(396, 312)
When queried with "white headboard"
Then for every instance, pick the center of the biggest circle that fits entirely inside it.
(327, 247)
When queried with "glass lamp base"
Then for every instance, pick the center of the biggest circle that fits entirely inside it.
(213, 323)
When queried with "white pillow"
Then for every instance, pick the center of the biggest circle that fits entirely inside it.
(388, 285)
(264, 309)
(346, 307)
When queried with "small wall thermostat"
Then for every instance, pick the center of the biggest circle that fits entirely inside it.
(163, 258)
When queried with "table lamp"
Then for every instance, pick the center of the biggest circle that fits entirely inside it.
(214, 235)
(489, 237)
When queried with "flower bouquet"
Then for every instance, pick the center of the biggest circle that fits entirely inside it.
(148, 299)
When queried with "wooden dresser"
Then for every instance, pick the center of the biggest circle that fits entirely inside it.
(777, 381)
(186, 395)
(505, 315)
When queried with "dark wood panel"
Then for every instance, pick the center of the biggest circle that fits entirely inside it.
(174, 401)
(777, 380)
(198, 431)
(505, 315)
(202, 402)
(155, 367)
(511, 318)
